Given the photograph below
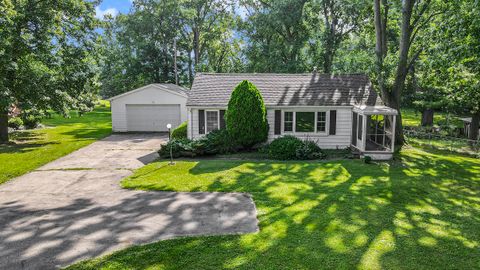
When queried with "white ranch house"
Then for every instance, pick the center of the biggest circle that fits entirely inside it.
(334, 111)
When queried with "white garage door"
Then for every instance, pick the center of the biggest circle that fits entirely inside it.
(152, 117)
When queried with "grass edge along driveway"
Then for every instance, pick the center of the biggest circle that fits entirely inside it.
(419, 212)
(31, 149)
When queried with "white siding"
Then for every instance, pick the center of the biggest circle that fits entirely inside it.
(193, 124)
(189, 123)
(150, 95)
(340, 140)
(193, 128)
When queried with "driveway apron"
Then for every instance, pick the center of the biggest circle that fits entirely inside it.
(73, 208)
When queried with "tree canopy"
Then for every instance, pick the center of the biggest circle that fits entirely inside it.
(48, 57)
(55, 55)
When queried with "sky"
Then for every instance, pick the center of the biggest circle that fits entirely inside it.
(113, 7)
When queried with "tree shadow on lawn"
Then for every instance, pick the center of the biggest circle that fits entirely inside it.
(88, 133)
(24, 141)
(422, 211)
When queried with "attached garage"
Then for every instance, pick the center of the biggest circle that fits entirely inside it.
(149, 109)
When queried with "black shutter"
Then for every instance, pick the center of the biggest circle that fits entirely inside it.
(222, 119)
(360, 127)
(278, 122)
(333, 123)
(201, 121)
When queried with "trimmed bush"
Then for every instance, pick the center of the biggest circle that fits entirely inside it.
(309, 150)
(219, 142)
(284, 148)
(246, 116)
(180, 132)
(179, 147)
(15, 122)
(215, 142)
(290, 147)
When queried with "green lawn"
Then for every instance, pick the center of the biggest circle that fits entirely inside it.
(454, 145)
(421, 211)
(412, 118)
(31, 149)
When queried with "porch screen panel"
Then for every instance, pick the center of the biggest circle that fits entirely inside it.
(389, 131)
(379, 132)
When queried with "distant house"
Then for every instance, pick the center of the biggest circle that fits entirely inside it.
(14, 111)
(467, 121)
(335, 111)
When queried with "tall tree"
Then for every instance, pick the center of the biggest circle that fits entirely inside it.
(206, 21)
(340, 19)
(456, 65)
(415, 16)
(47, 56)
(276, 34)
(138, 47)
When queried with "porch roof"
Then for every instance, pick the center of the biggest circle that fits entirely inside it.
(373, 110)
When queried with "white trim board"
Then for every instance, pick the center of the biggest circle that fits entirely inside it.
(159, 87)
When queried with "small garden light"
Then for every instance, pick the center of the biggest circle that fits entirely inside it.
(169, 126)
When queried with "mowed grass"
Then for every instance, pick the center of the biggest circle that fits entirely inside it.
(29, 150)
(421, 211)
(412, 118)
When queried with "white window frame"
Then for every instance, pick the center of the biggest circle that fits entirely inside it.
(283, 121)
(315, 131)
(326, 122)
(206, 120)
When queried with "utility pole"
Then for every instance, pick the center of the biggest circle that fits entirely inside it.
(175, 60)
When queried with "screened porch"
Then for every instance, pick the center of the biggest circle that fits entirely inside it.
(373, 130)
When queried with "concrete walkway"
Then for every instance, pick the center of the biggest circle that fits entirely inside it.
(73, 208)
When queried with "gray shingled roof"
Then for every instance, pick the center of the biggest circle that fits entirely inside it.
(172, 87)
(311, 89)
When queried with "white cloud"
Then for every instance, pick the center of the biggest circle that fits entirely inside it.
(100, 14)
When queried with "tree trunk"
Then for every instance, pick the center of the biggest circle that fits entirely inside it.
(196, 48)
(427, 117)
(402, 68)
(379, 46)
(327, 62)
(3, 127)
(329, 53)
(329, 40)
(474, 126)
(190, 69)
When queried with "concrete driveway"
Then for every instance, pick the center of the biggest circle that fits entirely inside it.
(73, 208)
